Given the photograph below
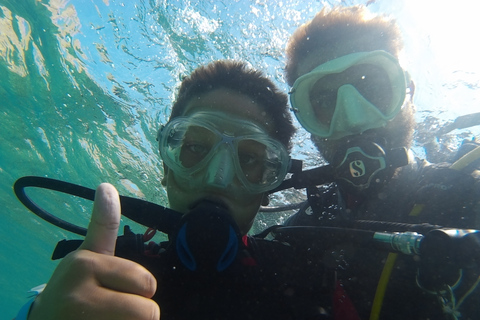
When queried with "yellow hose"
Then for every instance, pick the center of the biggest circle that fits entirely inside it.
(382, 286)
(466, 159)
(390, 262)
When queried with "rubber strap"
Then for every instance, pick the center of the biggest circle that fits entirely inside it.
(25, 310)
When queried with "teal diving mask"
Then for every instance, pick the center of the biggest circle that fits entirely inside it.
(350, 94)
(212, 149)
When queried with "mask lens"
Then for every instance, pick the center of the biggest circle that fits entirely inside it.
(197, 144)
(184, 146)
(263, 163)
(373, 84)
(251, 155)
(370, 81)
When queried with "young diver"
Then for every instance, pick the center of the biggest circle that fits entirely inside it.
(350, 92)
(224, 147)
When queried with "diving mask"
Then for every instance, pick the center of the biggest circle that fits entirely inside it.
(211, 149)
(350, 94)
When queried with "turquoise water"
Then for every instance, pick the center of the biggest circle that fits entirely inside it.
(84, 85)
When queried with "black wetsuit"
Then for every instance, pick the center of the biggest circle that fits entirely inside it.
(268, 280)
(440, 196)
(209, 271)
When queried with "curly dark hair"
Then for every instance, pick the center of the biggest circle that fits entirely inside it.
(238, 77)
(329, 29)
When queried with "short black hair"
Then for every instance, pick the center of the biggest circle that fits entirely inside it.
(238, 77)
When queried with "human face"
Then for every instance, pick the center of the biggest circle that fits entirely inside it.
(242, 206)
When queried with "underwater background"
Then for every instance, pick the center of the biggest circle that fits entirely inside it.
(85, 85)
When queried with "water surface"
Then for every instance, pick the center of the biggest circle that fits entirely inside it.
(84, 86)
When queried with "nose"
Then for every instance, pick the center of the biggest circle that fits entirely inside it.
(220, 170)
(354, 114)
(355, 108)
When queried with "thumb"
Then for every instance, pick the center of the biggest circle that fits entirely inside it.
(103, 228)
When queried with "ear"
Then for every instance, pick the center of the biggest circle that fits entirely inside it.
(165, 174)
(265, 200)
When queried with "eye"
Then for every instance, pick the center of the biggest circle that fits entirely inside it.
(193, 152)
(248, 159)
(323, 98)
(196, 148)
(373, 84)
(250, 152)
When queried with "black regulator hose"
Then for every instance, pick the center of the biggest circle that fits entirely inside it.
(141, 211)
(56, 185)
(388, 226)
(324, 237)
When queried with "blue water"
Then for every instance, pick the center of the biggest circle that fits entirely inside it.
(84, 85)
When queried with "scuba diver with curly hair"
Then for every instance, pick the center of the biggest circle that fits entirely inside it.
(350, 92)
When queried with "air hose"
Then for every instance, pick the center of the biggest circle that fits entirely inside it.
(390, 262)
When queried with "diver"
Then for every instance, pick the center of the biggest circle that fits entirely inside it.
(225, 146)
(350, 92)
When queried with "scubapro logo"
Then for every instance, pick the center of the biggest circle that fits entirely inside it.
(357, 168)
